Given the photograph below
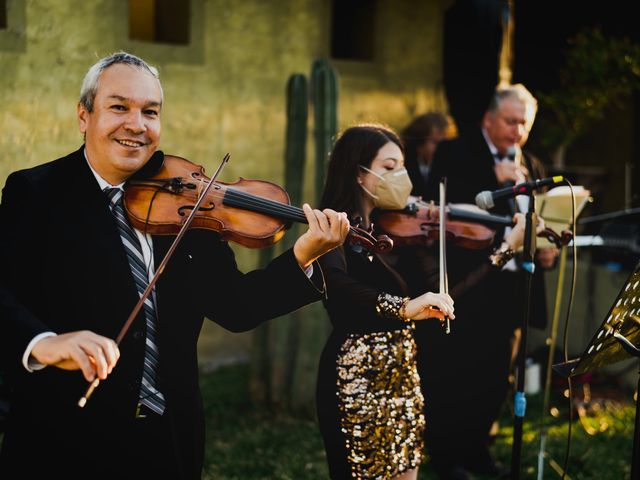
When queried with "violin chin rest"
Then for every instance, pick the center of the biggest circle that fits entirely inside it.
(152, 167)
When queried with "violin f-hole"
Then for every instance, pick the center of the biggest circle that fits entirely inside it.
(182, 211)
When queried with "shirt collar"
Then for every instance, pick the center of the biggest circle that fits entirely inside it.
(496, 154)
(492, 147)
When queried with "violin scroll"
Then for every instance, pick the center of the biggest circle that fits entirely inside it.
(560, 240)
(366, 239)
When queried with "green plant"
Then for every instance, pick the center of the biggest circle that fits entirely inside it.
(274, 344)
(285, 353)
(296, 136)
(600, 72)
(324, 94)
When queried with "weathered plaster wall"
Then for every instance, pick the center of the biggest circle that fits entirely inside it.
(225, 91)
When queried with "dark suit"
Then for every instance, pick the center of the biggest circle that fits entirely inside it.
(466, 374)
(64, 269)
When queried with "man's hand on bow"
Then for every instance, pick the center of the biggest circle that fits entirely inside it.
(82, 350)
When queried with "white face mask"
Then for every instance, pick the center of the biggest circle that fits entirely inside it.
(392, 190)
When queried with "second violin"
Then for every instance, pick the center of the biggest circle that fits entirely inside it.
(418, 224)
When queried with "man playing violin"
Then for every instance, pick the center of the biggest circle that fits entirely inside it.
(72, 272)
(467, 373)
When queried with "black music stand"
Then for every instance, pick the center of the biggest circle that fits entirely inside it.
(614, 341)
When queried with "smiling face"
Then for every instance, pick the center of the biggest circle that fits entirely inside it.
(123, 130)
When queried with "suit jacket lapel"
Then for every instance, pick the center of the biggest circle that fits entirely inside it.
(99, 236)
(485, 174)
(485, 161)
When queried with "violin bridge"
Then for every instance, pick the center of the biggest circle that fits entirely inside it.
(200, 187)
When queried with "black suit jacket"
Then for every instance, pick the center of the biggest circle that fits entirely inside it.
(64, 269)
(467, 163)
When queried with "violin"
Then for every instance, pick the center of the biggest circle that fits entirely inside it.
(418, 224)
(252, 213)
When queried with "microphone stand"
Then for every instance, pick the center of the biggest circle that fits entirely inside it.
(520, 402)
(551, 341)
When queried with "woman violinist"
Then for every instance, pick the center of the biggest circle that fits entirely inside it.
(369, 395)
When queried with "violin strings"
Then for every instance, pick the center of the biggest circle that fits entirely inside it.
(238, 198)
(271, 206)
(246, 199)
(265, 205)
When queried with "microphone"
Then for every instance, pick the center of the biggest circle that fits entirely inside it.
(487, 199)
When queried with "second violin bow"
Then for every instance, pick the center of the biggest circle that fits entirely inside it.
(444, 281)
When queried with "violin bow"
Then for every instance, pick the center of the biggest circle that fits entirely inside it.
(444, 281)
(134, 313)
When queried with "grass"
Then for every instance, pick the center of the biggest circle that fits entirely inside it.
(246, 442)
(249, 442)
(252, 443)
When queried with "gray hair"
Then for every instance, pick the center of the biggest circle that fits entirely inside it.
(516, 92)
(90, 83)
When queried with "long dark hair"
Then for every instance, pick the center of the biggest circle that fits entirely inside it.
(357, 145)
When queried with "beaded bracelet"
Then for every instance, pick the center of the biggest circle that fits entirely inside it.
(391, 306)
(502, 255)
(403, 309)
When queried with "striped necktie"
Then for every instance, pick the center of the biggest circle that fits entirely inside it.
(149, 395)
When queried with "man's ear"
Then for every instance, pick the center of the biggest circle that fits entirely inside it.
(83, 118)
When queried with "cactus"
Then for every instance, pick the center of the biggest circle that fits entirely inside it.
(287, 332)
(274, 345)
(294, 154)
(324, 94)
(285, 353)
(296, 139)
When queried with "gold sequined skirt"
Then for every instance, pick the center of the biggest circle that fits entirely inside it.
(380, 403)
